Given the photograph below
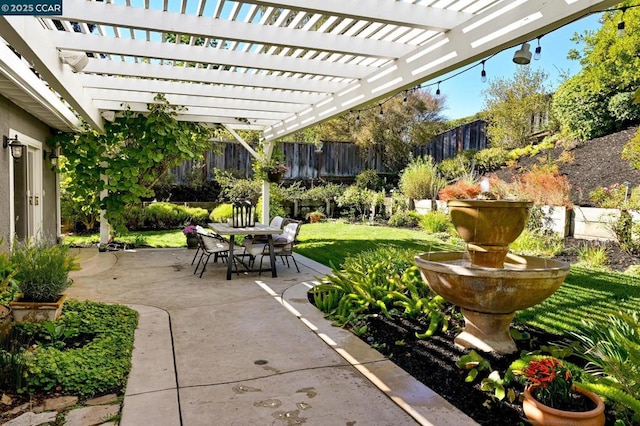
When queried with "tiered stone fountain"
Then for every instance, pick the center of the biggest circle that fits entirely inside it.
(486, 282)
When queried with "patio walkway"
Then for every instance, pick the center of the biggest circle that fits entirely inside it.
(250, 351)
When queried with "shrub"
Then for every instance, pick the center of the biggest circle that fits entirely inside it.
(615, 196)
(408, 219)
(420, 180)
(369, 179)
(383, 280)
(455, 167)
(631, 151)
(622, 108)
(134, 217)
(460, 190)
(357, 198)
(592, 256)
(581, 110)
(531, 243)
(197, 215)
(490, 159)
(100, 366)
(611, 349)
(9, 289)
(221, 213)
(163, 215)
(42, 269)
(435, 222)
(544, 186)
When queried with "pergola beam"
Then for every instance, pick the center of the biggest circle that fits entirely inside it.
(202, 75)
(201, 55)
(168, 22)
(199, 90)
(398, 13)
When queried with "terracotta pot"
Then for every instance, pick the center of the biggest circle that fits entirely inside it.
(540, 414)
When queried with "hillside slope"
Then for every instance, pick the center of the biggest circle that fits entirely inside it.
(595, 163)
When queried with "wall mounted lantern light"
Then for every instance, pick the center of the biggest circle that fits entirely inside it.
(16, 147)
(53, 157)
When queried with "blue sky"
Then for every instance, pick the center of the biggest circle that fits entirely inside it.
(464, 92)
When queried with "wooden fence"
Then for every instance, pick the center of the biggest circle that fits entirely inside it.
(338, 160)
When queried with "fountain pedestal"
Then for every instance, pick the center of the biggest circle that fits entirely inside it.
(487, 332)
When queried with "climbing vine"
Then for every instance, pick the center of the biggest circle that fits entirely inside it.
(134, 152)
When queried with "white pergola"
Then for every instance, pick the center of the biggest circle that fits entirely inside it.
(274, 66)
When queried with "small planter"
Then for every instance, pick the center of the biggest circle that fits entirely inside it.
(275, 177)
(425, 206)
(192, 241)
(540, 414)
(37, 311)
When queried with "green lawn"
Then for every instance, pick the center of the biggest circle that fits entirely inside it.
(158, 239)
(332, 242)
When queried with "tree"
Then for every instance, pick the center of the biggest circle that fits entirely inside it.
(396, 126)
(511, 105)
(583, 104)
(134, 152)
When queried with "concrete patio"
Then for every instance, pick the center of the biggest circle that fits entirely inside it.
(249, 351)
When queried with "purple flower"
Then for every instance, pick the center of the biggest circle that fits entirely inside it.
(191, 229)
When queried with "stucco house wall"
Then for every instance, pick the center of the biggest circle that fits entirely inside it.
(14, 119)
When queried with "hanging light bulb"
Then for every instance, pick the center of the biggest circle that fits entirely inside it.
(538, 53)
(405, 99)
(621, 30)
(483, 74)
(381, 111)
(358, 119)
(438, 90)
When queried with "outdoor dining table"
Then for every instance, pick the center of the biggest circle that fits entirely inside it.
(257, 229)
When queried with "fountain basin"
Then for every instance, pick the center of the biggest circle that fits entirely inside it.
(489, 297)
(488, 227)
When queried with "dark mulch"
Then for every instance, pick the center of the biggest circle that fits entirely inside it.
(595, 163)
(432, 361)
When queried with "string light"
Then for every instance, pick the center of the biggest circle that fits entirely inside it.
(621, 30)
(483, 74)
(538, 53)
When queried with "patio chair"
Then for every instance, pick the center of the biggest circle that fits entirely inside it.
(283, 244)
(199, 230)
(211, 244)
(249, 240)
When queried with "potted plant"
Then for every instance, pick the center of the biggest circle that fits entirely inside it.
(315, 216)
(192, 239)
(42, 273)
(272, 170)
(552, 397)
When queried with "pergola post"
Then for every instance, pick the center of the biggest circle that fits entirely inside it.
(268, 150)
(105, 229)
